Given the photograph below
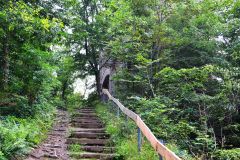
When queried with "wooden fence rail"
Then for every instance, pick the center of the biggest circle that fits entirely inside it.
(158, 146)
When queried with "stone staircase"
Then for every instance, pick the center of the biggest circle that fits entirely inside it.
(88, 133)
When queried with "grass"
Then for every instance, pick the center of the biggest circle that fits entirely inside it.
(75, 148)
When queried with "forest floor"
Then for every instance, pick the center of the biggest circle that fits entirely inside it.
(54, 147)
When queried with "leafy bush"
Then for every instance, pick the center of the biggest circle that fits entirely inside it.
(18, 135)
(20, 106)
(231, 154)
(74, 101)
(2, 157)
(193, 107)
(58, 102)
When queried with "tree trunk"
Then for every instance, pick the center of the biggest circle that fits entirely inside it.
(64, 87)
(98, 84)
(31, 98)
(5, 65)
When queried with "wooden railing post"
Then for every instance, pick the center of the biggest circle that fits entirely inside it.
(118, 112)
(160, 156)
(112, 107)
(139, 140)
(126, 120)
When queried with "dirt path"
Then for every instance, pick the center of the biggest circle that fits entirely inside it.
(54, 147)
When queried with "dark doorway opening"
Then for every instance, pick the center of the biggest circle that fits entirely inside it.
(106, 83)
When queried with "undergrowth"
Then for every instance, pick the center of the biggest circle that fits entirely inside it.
(124, 135)
(19, 135)
(74, 101)
(230, 154)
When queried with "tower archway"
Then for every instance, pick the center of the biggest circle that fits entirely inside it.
(105, 84)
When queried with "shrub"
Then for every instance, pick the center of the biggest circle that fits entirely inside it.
(231, 154)
(195, 108)
(18, 135)
(2, 157)
(74, 101)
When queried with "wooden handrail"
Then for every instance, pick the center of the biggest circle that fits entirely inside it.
(158, 146)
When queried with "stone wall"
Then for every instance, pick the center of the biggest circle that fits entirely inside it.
(108, 68)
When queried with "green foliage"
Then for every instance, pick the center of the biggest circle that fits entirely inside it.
(74, 101)
(75, 148)
(65, 76)
(124, 135)
(231, 154)
(115, 128)
(231, 33)
(198, 99)
(2, 156)
(26, 75)
(18, 136)
(27, 63)
(180, 67)
(128, 148)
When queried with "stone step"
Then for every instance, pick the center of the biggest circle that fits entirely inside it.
(60, 129)
(92, 108)
(85, 114)
(88, 135)
(89, 122)
(93, 155)
(87, 125)
(92, 130)
(86, 141)
(84, 159)
(99, 149)
(86, 110)
(86, 119)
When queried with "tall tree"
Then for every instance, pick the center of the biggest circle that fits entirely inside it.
(25, 37)
(88, 36)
